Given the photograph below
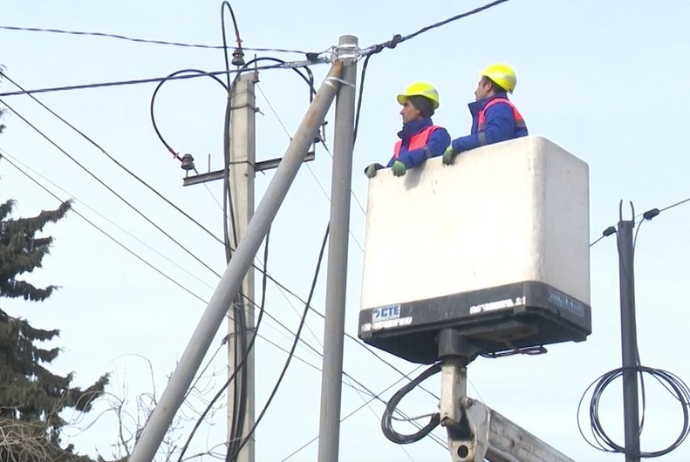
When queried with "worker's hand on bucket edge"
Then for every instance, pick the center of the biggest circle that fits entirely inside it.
(399, 168)
(371, 170)
(449, 156)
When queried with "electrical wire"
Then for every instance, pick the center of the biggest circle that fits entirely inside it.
(311, 171)
(284, 290)
(364, 388)
(147, 41)
(10, 158)
(292, 293)
(114, 160)
(283, 287)
(400, 38)
(355, 411)
(349, 336)
(105, 233)
(237, 423)
(674, 385)
(360, 104)
(606, 233)
(232, 456)
(239, 366)
(602, 441)
(100, 181)
(454, 18)
(648, 215)
(158, 194)
(386, 420)
(241, 351)
(361, 388)
(360, 97)
(261, 307)
(92, 209)
(119, 83)
(238, 52)
(172, 151)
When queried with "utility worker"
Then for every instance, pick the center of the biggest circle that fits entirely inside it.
(494, 117)
(420, 139)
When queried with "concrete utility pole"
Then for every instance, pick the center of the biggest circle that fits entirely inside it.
(229, 285)
(629, 339)
(334, 329)
(241, 183)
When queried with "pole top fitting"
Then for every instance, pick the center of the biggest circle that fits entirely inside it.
(347, 49)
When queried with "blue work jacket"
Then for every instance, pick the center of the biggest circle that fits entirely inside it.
(500, 125)
(438, 141)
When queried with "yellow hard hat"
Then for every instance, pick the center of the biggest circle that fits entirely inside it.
(502, 74)
(420, 89)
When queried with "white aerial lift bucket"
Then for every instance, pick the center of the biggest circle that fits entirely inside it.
(495, 246)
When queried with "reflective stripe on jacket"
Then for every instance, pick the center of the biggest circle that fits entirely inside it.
(413, 149)
(417, 141)
(500, 121)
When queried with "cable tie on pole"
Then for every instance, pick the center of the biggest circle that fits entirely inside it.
(344, 82)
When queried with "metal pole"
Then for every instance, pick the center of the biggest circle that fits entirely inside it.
(628, 339)
(241, 184)
(173, 396)
(334, 329)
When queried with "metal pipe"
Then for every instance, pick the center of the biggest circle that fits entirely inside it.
(334, 330)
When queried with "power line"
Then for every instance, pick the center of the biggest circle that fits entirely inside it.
(231, 456)
(365, 389)
(669, 207)
(451, 19)
(400, 38)
(10, 160)
(318, 182)
(146, 218)
(131, 252)
(147, 41)
(281, 286)
(115, 161)
(13, 161)
(172, 280)
(125, 201)
(48, 180)
(184, 288)
(150, 265)
(648, 215)
(304, 446)
(288, 65)
(261, 270)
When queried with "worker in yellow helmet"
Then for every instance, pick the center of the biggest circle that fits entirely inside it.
(494, 117)
(420, 139)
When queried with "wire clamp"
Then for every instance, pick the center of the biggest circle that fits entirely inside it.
(344, 82)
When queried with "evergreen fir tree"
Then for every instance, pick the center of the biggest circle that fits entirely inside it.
(31, 397)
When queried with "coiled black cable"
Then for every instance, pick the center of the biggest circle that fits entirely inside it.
(602, 441)
(387, 418)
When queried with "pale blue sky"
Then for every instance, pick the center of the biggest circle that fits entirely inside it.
(604, 80)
